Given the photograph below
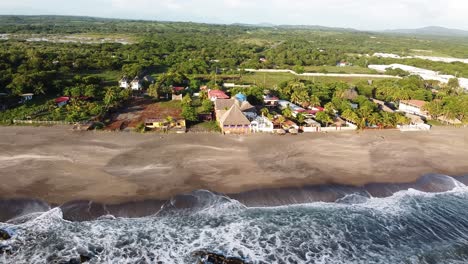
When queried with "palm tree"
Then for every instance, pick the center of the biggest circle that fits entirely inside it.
(323, 118)
(287, 112)
(293, 86)
(300, 97)
(330, 107)
(314, 100)
(110, 97)
(402, 120)
(435, 108)
(388, 120)
(374, 118)
(350, 115)
(300, 118)
(364, 113)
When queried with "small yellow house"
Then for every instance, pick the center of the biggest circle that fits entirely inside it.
(178, 125)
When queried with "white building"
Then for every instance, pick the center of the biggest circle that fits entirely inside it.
(136, 84)
(414, 107)
(123, 83)
(262, 124)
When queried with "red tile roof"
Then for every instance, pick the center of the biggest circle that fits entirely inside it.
(271, 98)
(62, 99)
(318, 108)
(178, 89)
(417, 103)
(218, 94)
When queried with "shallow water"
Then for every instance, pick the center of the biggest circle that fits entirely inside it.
(408, 227)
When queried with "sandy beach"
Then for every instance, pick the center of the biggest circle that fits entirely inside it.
(57, 165)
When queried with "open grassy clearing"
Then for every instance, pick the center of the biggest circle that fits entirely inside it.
(273, 79)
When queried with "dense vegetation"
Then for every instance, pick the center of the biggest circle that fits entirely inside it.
(352, 101)
(185, 54)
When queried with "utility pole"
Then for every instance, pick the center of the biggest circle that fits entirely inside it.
(216, 72)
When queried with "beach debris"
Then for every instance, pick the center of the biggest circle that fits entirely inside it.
(206, 257)
(293, 131)
(281, 132)
(4, 234)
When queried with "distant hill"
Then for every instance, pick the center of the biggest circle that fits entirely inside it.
(431, 31)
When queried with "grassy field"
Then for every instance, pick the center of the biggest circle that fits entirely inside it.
(170, 104)
(109, 76)
(273, 79)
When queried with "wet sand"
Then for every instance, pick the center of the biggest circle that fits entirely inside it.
(58, 165)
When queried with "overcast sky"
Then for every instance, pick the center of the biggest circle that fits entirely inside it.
(360, 14)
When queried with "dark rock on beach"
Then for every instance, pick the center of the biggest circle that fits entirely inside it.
(4, 235)
(205, 257)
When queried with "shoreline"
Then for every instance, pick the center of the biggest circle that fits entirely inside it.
(58, 165)
(82, 210)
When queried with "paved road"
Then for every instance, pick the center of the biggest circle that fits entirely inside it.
(327, 74)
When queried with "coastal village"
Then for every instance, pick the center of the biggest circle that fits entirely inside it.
(231, 108)
(233, 113)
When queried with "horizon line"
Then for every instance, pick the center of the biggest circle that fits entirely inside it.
(261, 24)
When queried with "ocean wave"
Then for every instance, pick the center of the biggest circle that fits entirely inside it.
(410, 226)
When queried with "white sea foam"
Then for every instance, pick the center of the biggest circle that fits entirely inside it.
(13, 160)
(378, 230)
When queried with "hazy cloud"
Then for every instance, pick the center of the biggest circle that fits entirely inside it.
(362, 14)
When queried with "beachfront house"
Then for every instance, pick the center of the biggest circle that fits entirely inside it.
(214, 95)
(249, 110)
(246, 108)
(177, 125)
(289, 125)
(262, 124)
(233, 121)
(310, 125)
(415, 107)
(233, 115)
